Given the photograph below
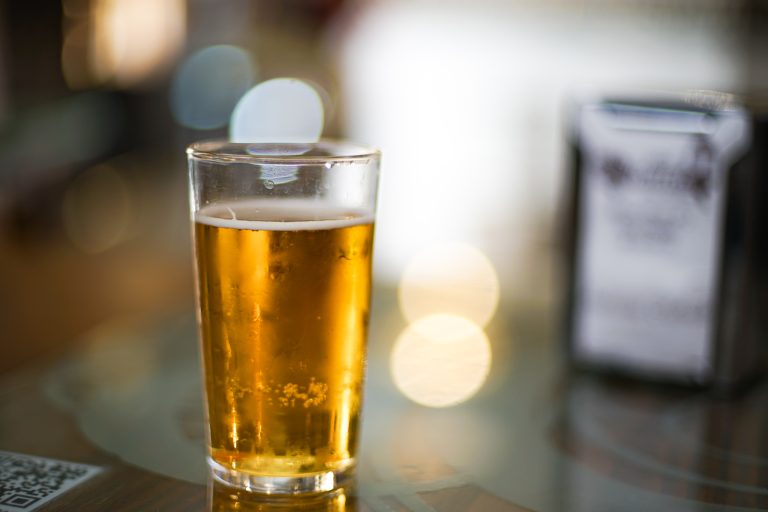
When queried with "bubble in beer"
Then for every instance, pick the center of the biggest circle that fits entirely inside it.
(441, 360)
(278, 110)
(208, 84)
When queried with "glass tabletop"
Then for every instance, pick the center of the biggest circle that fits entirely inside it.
(530, 434)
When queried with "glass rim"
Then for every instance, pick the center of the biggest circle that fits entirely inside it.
(289, 153)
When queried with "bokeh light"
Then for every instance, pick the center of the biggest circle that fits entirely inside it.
(133, 39)
(278, 110)
(119, 356)
(208, 84)
(97, 209)
(449, 278)
(441, 360)
(74, 51)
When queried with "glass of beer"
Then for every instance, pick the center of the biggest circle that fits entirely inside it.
(283, 243)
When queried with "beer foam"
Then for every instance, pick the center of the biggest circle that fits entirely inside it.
(284, 215)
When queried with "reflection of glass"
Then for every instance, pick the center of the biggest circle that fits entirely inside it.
(223, 498)
(283, 238)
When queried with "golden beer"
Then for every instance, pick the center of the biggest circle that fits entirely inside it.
(224, 498)
(283, 289)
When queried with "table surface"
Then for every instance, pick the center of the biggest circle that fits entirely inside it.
(536, 436)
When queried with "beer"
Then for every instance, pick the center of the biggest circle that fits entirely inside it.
(224, 498)
(284, 291)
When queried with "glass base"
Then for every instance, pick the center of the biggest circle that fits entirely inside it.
(306, 483)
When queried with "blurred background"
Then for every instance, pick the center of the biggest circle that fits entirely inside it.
(470, 103)
(467, 100)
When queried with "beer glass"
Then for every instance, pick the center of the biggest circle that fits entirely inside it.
(283, 238)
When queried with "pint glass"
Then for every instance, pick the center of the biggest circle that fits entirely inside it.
(283, 239)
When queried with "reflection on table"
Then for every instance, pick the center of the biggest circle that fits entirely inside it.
(532, 436)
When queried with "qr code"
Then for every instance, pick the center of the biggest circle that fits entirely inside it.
(28, 482)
